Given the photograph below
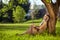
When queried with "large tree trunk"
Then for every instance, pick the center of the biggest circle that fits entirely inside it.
(52, 9)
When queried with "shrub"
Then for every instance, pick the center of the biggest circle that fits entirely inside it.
(18, 14)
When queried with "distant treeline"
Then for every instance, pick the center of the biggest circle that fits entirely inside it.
(14, 11)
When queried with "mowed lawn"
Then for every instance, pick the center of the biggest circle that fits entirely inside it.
(9, 31)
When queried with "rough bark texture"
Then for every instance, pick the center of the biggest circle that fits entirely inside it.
(52, 9)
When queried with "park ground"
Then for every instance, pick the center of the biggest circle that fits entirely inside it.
(9, 31)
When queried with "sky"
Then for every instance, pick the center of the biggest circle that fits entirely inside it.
(39, 2)
(5, 1)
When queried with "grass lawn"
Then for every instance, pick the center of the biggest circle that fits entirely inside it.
(9, 31)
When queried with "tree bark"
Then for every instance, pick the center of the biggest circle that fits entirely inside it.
(52, 9)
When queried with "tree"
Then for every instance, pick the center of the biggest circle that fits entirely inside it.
(59, 14)
(18, 14)
(7, 8)
(52, 9)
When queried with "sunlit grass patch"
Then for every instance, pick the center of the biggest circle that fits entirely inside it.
(9, 31)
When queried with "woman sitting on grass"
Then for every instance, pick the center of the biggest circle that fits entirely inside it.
(38, 29)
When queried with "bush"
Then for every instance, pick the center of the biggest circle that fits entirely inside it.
(18, 14)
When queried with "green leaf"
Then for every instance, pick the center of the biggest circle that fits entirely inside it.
(48, 1)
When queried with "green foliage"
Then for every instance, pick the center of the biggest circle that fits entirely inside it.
(7, 7)
(10, 5)
(6, 15)
(22, 1)
(48, 1)
(18, 14)
(18, 11)
(4, 9)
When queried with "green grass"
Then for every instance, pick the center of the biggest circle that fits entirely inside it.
(9, 31)
(34, 21)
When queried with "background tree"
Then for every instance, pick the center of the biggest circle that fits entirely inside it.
(8, 9)
(18, 14)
